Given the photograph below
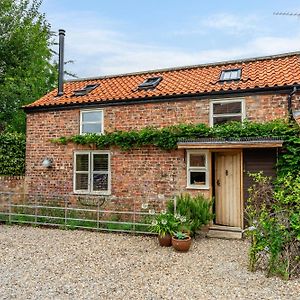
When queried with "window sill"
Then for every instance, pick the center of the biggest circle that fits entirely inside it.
(97, 133)
(92, 193)
(197, 187)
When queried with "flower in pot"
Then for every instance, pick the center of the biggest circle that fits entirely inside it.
(164, 225)
(181, 241)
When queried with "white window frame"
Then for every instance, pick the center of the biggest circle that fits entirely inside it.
(205, 169)
(242, 114)
(90, 173)
(91, 110)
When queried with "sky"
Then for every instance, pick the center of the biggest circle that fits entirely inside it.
(105, 37)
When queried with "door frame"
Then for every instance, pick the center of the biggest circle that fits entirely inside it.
(213, 181)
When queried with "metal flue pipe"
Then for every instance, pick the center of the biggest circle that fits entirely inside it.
(61, 34)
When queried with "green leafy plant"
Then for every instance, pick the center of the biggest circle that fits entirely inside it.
(26, 59)
(181, 235)
(273, 217)
(12, 153)
(197, 210)
(164, 223)
(167, 138)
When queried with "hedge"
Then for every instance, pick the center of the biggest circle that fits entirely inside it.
(12, 153)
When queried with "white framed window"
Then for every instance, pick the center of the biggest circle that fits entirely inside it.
(225, 110)
(197, 169)
(91, 121)
(92, 174)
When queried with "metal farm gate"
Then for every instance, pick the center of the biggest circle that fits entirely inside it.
(82, 213)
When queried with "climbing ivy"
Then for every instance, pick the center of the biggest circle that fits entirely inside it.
(167, 138)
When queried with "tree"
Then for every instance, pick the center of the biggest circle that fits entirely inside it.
(27, 70)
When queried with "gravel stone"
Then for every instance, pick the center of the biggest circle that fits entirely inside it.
(39, 263)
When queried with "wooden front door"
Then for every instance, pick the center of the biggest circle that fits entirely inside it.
(228, 189)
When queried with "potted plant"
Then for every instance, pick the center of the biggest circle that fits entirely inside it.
(164, 225)
(197, 210)
(181, 241)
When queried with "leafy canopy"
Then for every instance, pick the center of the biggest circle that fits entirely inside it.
(26, 68)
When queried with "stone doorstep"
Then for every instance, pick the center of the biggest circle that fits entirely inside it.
(226, 232)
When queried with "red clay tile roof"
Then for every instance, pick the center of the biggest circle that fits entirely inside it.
(272, 71)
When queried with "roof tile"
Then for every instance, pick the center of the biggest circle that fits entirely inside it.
(277, 70)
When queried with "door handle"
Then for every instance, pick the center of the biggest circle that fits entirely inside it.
(218, 182)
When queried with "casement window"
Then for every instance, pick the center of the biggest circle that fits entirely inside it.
(197, 169)
(222, 111)
(91, 121)
(92, 172)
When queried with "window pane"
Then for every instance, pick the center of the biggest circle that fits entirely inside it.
(100, 162)
(197, 178)
(234, 74)
(82, 162)
(227, 108)
(197, 160)
(100, 182)
(92, 116)
(226, 75)
(222, 120)
(92, 128)
(231, 74)
(81, 182)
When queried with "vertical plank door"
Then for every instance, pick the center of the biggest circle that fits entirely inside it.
(228, 189)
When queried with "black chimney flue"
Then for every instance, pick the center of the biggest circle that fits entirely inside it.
(61, 34)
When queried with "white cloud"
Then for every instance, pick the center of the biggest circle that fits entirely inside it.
(109, 56)
(222, 22)
(101, 49)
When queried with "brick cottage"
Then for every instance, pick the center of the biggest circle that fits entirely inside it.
(259, 89)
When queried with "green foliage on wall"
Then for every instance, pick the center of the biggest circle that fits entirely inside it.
(166, 138)
(12, 153)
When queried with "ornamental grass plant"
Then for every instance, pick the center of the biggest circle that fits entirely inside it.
(197, 210)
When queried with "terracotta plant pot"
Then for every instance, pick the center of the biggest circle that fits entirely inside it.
(165, 241)
(182, 245)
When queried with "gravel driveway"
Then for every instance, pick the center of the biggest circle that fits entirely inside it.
(38, 263)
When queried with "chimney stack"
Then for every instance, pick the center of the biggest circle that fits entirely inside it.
(61, 34)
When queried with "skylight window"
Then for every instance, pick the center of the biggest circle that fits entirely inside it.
(150, 83)
(233, 74)
(88, 88)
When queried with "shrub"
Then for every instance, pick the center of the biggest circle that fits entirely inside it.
(12, 153)
(273, 213)
(198, 210)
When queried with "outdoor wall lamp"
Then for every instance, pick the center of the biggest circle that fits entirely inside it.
(47, 162)
(296, 114)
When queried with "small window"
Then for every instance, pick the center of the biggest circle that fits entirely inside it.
(91, 121)
(222, 111)
(88, 88)
(197, 170)
(150, 83)
(92, 172)
(227, 75)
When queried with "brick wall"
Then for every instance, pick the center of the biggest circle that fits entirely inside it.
(139, 174)
(15, 184)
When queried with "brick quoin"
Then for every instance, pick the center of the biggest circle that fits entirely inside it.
(146, 174)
